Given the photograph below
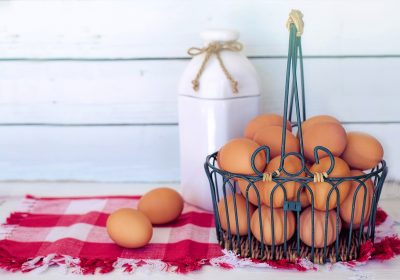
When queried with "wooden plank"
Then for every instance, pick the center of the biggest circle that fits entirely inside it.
(89, 92)
(153, 28)
(120, 153)
(137, 153)
(354, 90)
(145, 92)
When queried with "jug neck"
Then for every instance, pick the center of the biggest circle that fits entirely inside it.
(219, 35)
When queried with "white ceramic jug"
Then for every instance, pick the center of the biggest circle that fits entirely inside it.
(213, 114)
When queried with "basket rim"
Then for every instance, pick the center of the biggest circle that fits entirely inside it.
(372, 172)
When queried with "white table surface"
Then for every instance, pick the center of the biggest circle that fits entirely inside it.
(11, 194)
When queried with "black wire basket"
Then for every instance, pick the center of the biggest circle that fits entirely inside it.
(286, 242)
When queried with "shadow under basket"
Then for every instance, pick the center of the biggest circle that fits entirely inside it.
(348, 237)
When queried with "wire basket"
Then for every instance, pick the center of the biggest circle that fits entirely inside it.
(347, 240)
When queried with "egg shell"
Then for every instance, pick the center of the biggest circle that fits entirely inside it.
(240, 212)
(346, 206)
(304, 199)
(303, 196)
(329, 135)
(267, 225)
(161, 205)
(318, 119)
(292, 164)
(363, 151)
(319, 227)
(129, 228)
(242, 184)
(235, 156)
(321, 190)
(272, 137)
(262, 122)
(303, 193)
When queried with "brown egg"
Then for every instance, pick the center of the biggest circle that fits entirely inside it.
(235, 156)
(241, 214)
(318, 119)
(303, 198)
(129, 228)
(319, 228)
(292, 165)
(303, 194)
(272, 137)
(262, 122)
(321, 189)
(267, 225)
(346, 206)
(363, 151)
(161, 205)
(242, 184)
(329, 135)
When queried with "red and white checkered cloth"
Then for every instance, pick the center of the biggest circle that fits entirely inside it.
(70, 233)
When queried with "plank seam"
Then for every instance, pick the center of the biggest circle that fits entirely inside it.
(148, 124)
(114, 59)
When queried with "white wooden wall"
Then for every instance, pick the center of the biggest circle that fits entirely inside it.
(88, 89)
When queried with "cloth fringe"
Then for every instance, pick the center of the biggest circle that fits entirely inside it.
(92, 266)
(15, 218)
(381, 216)
(384, 250)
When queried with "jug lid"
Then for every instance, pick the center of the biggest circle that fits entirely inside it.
(219, 35)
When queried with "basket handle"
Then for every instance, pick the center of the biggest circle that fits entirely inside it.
(292, 99)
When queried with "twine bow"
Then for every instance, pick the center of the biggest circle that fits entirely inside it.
(320, 177)
(215, 48)
(267, 177)
(296, 18)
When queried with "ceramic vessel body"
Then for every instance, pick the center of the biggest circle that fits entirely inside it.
(211, 116)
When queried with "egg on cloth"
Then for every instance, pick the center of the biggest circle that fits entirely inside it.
(319, 227)
(129, 228)
(235, 156)
(292, 165)
(272, 137)
(346, 206)
(279, 233)
(240, 213)
(161, 205)
(363, 151)
(262, 122)
(321, 190)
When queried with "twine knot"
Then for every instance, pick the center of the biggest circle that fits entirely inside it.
(319, 177)
(267, 176)
(214, 49)
(296, 18)
(195, 84)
